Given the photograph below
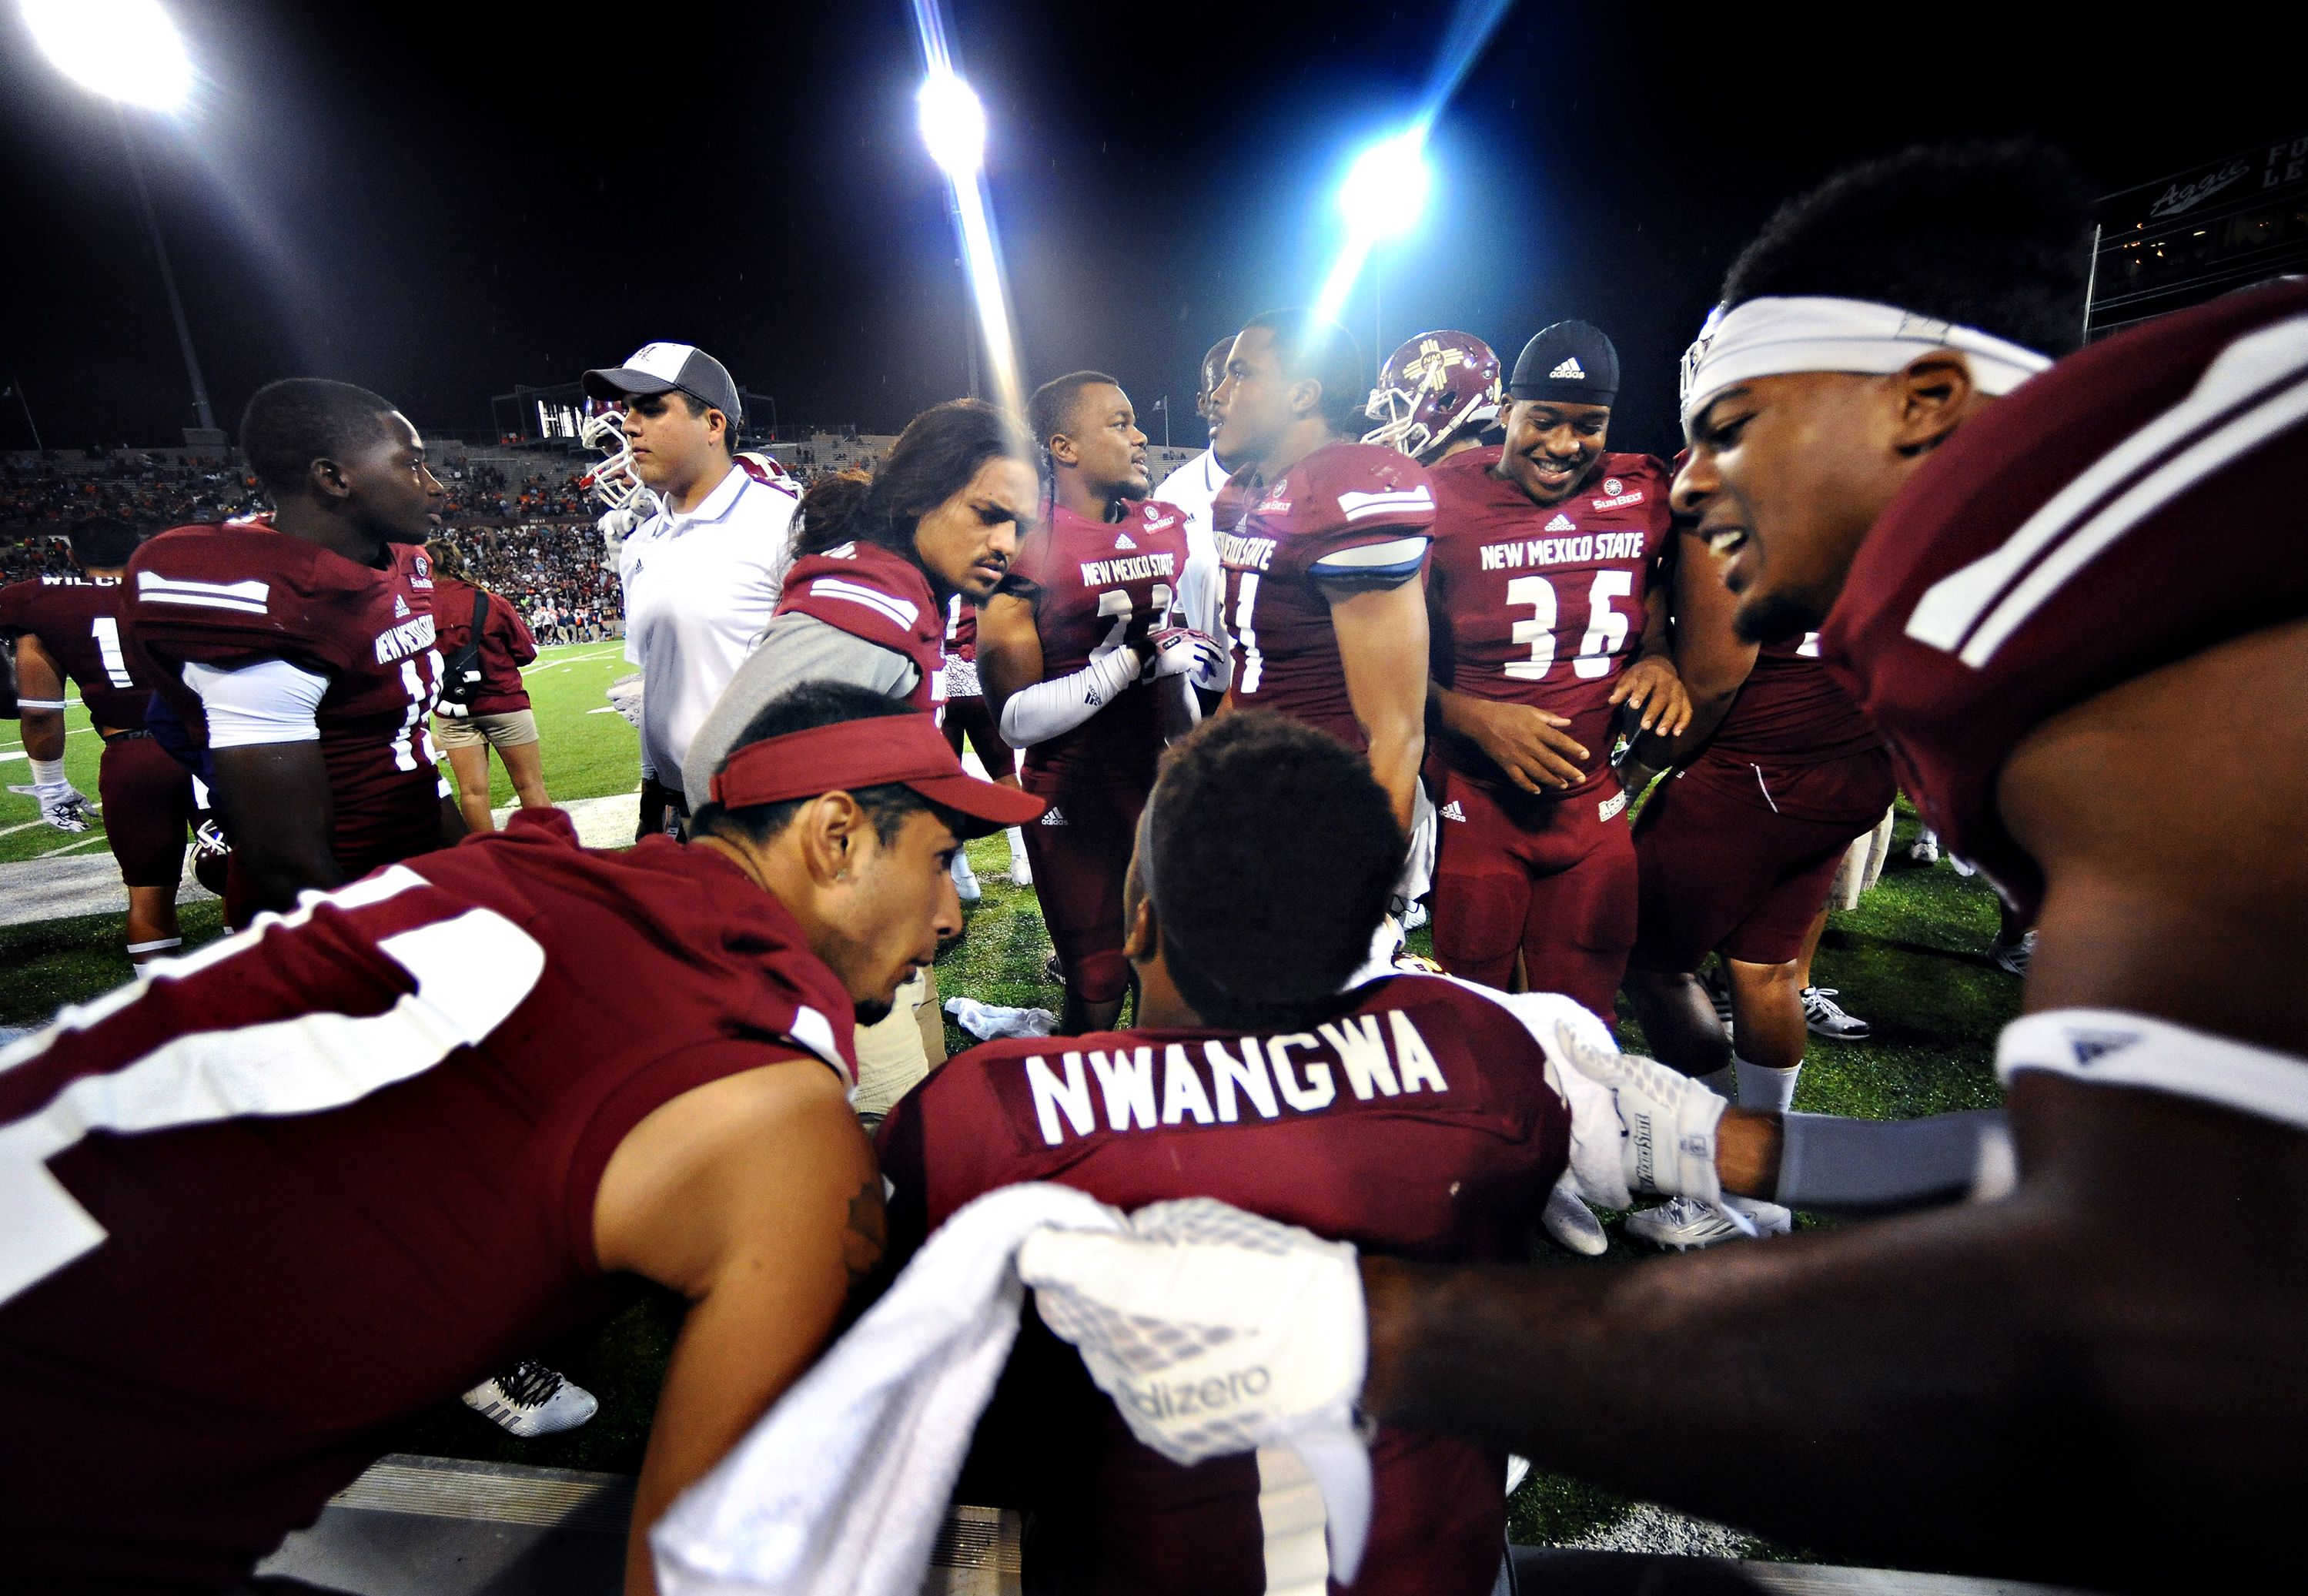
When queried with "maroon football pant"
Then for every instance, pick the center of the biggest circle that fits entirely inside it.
(1552, 879)
(148, 809)
(1081, 850)
(1739, 856)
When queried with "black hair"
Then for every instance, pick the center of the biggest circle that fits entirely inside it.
(697, 407)
(933, 459)
(1051, 411)
(1275, 854)
(805, 708)
(1996, 235)
(291, 423)
(101, 543)
(1214, 359)
(1313, 346)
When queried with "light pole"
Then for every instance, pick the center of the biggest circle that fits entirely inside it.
(129, 52)
(953, 127)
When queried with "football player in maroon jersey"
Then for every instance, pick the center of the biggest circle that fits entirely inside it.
(1411, 1114)
(1549, 611)
(1322, 539)
(1074, 652)
(2035, 582)
(68, 627)
(367, 1151)
(300, 649)
(967, 719)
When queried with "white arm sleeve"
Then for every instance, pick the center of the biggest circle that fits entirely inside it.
(269, 702)
(1048, 709)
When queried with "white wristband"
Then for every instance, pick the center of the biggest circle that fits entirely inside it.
(48, 774)
(1049, 709)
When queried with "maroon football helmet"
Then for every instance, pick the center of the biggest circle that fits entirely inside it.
(1433, 387)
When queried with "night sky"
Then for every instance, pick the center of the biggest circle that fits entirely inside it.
(439, 202)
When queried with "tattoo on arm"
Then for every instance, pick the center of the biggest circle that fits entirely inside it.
(865, 1249)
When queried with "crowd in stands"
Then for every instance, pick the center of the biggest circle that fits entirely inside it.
(558, 572)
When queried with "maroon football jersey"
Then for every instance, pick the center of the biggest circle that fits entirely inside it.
(960, 629)
(1543, 605)
(1419, 1123)
(1790, 710)
(231, 595)
(867, 592)
(327, 1173)
(1090, 582)
(2116, 514)
(1353, 513)
(77, 620)
(506, 644)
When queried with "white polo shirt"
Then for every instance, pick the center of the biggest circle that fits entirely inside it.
(700, 589)
(1201, 591)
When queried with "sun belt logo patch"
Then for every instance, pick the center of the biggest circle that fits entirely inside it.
(1570, 369)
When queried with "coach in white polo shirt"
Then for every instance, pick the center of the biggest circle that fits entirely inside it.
(701, 574)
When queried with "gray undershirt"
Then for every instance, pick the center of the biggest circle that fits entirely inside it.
(795, 649)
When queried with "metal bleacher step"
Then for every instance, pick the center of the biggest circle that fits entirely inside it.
(435, 1526)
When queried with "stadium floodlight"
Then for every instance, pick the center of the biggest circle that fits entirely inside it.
(1382, 197)
(953, 125)
(126, 51)
(1386, 190)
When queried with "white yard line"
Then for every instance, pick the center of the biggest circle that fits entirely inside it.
(16, 750)
(67, 848)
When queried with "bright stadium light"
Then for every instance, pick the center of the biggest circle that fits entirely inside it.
(953, 125)
(1382, 197)
(126, 51)
(1386, 190)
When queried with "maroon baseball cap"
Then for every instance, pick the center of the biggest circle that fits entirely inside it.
(909, 750)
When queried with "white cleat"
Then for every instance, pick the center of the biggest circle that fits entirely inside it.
(965, 879)
(1823, 1016)
(1022, 868)
(1925, 849)
(1414, 914)
(1572, 1226)
(531, 1399)
(1686, 1223)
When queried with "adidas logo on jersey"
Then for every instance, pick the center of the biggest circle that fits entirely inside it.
(1563, 523)
(1451, 811)
(400, 608)
(1054, 815)
(1570, 369)
(1121, 540)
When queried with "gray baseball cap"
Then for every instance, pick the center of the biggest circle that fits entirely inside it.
(664, 367)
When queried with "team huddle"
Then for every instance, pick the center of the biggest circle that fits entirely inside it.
(1426, 648)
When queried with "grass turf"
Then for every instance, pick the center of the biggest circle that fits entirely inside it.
(1908, 959)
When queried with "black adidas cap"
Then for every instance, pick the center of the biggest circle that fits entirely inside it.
(1571, 362)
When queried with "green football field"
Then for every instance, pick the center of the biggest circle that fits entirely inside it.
(1908, 959)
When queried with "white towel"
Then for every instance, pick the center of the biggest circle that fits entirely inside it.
(839, 1489)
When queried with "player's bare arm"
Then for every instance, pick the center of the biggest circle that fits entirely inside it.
(1008, 648)
(757, 1198)
(1652, 683)
(1710, 659)
(38, 680)
(1383, 645)
(275, 803)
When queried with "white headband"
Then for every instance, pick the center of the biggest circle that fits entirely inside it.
(1771, 337)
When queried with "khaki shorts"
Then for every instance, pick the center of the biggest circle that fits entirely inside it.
(509, 729)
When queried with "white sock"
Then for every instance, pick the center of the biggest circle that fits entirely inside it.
(1722, 1082)
(1017, 842)
(1765, 1088)
(49, 773)
(141, 956)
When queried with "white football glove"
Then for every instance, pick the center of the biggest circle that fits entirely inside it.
(1637, 1125)
(62, 805)
(1216, 1331)
(625, 698)
(1180, 651)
